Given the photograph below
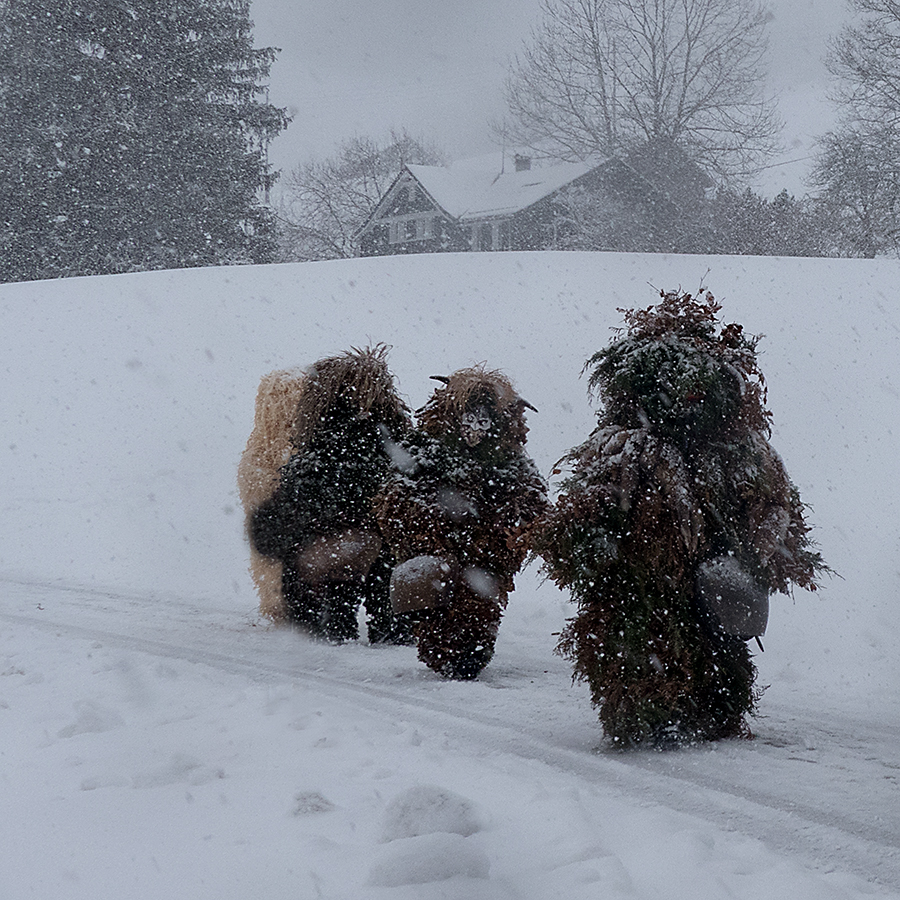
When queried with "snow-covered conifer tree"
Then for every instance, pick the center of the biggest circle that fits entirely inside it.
(134, 137)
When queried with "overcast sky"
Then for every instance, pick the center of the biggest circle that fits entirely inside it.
(359, 67)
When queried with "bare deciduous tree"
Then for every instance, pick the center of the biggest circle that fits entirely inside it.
(858, 173)
(865, 61)
(326, 201)
(609, 76)
(857, 163)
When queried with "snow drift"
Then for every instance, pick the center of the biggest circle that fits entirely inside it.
(158, 743)
(128, 400)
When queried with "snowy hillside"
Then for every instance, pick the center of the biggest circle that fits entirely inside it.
(159, 741)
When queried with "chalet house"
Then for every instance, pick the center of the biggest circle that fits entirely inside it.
(428, 209)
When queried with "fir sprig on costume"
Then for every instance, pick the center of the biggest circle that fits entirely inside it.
(450, 502)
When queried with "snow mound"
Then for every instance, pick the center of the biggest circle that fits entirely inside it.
(425, 809)
(427, 858)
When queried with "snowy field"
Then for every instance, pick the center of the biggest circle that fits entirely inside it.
(157, 740)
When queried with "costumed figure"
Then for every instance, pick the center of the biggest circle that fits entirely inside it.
(676, 523)
(313, 518)
(454, 513)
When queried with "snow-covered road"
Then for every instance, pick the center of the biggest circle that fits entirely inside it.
(822, 791)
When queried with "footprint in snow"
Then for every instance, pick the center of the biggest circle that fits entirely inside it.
(181, 769)
(91, 719)
(309, 803)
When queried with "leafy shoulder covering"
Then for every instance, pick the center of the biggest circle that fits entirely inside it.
(449, 498)
(679, 469)
(347, 415)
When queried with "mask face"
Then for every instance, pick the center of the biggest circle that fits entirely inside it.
(476, 424)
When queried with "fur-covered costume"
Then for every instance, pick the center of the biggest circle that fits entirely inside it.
(675, 501)
(462, 494)
(268, 449)
(317, 521)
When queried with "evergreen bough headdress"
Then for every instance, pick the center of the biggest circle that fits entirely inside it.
(677, 371)
(359, 382)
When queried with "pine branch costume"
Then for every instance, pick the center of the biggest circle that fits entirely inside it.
(454, 513)
(318, 523)
(677, 522)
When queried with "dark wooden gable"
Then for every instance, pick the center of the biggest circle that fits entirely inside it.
(404, 198)
(408, 220)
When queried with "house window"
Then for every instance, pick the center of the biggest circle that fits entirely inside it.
(490, 236)
(421, 228)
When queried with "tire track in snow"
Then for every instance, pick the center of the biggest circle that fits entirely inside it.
(723, 784)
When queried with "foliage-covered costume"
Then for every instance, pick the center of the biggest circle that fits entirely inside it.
(318, 522)
(678, 480)
(462, 495)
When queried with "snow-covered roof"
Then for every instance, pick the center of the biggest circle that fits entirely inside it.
(468, 194)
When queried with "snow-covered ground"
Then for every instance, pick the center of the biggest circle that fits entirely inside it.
(158, 740)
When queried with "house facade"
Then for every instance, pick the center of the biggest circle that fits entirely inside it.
(429, 209)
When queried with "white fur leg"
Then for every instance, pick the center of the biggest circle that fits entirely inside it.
(266, 574)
